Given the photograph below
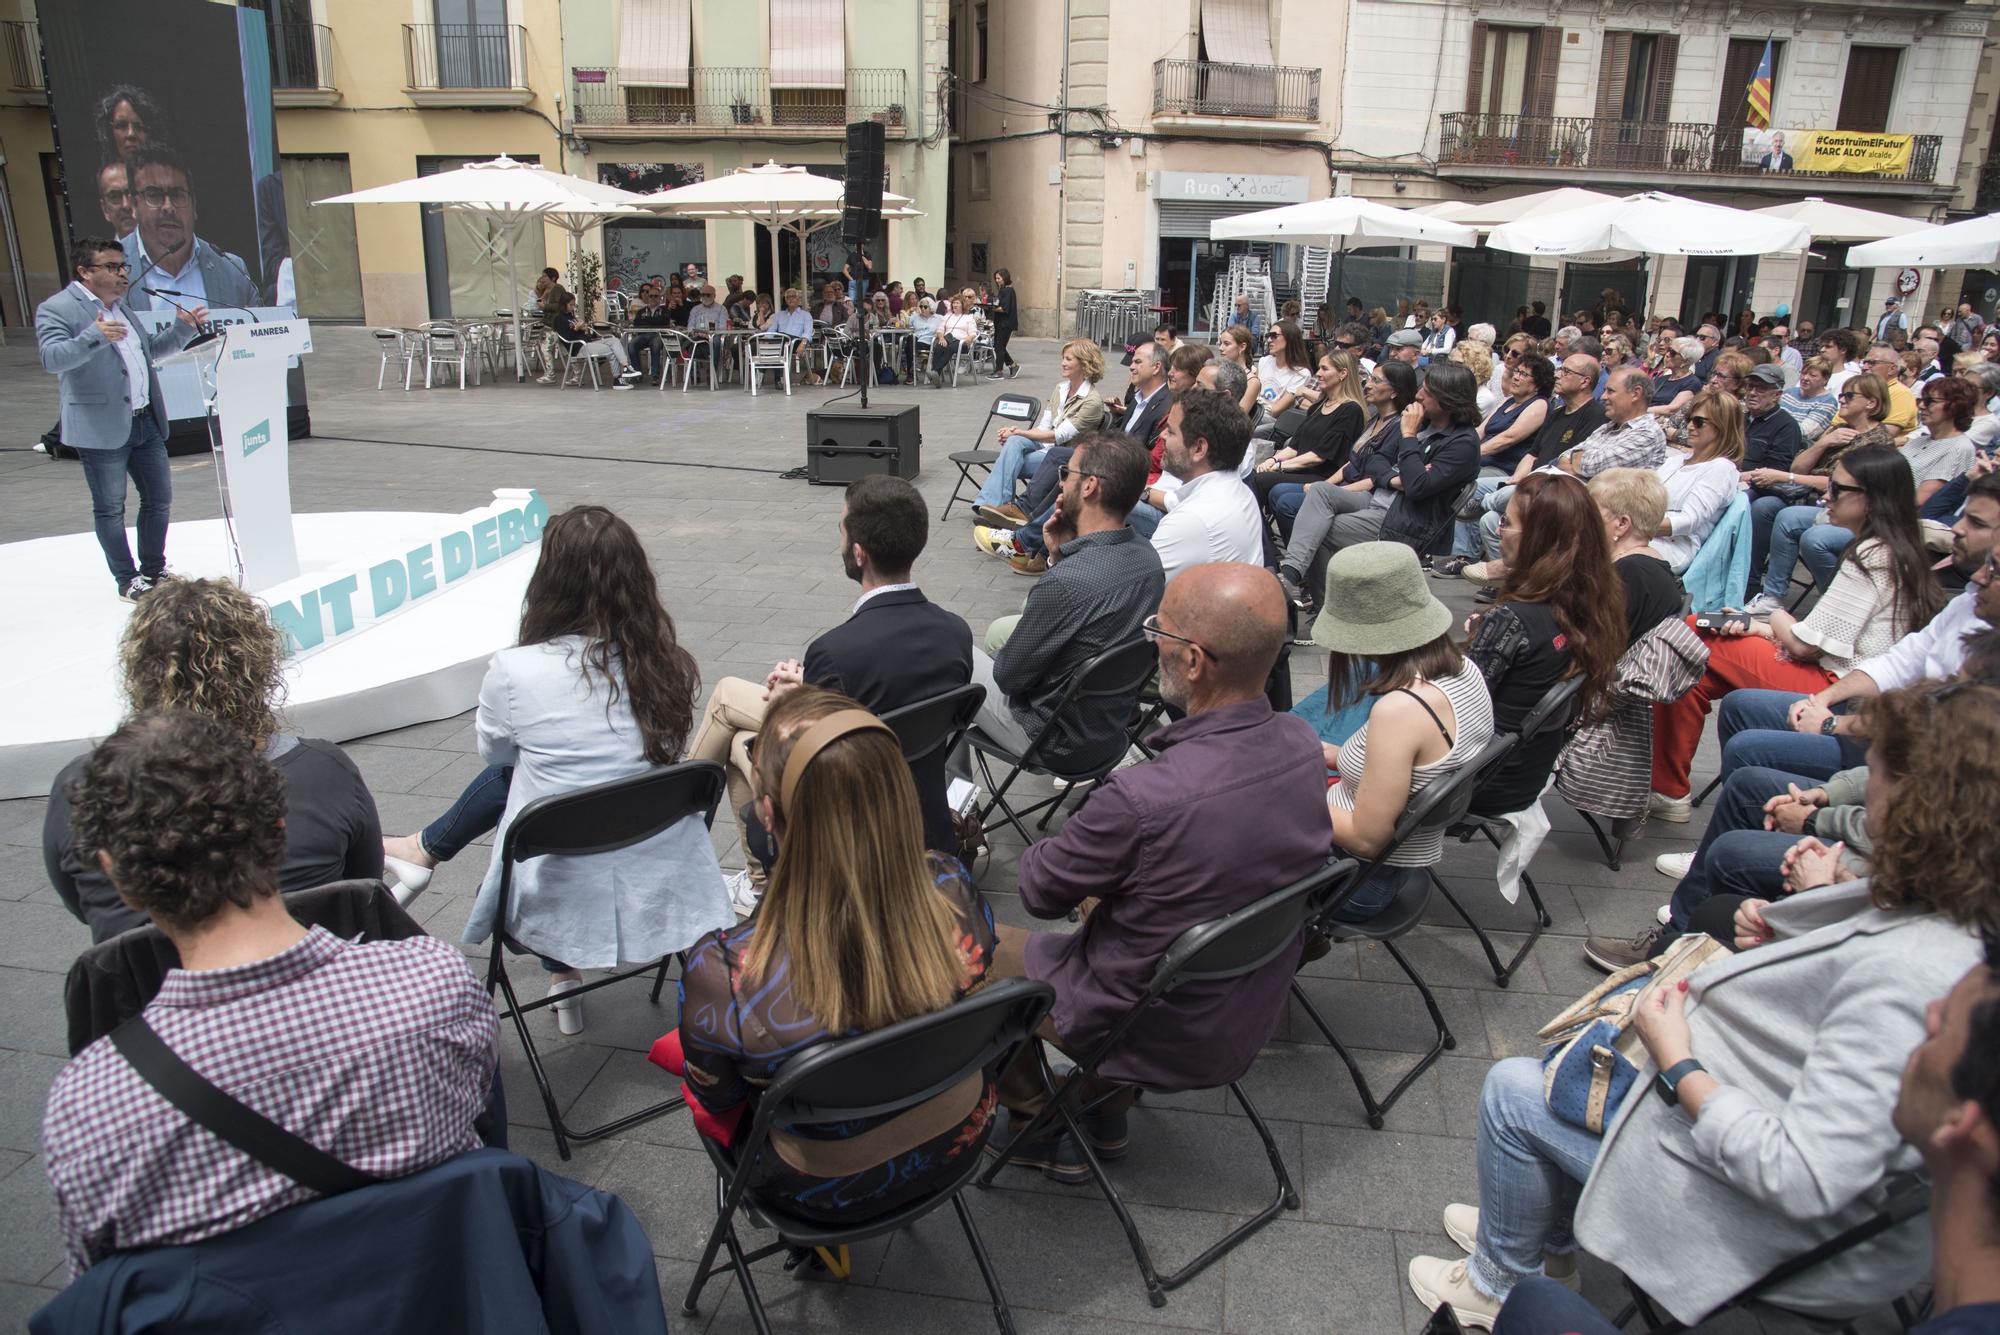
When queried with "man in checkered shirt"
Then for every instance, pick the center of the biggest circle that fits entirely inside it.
(381, 1053)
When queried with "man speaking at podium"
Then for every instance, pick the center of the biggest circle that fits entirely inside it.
(113, 414)
(166, 254)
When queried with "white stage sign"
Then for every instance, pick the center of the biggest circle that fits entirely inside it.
(256, 449)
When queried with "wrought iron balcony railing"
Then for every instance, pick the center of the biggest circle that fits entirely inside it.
(728, 96)
(302, 56)
(441, 57)
(1213, 88)
(23, 41)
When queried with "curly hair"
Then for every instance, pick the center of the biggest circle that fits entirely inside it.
(1957, 395)
(149, 112)
(592, 581)
(1937, 843)
(1564, 561)
(189, 812)
(206, 646)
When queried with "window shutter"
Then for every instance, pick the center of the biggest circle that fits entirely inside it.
(1660, 97)
(1738, 66)
(1547, 59)
(1871, 83)
(1612, 69)
(1475, 74)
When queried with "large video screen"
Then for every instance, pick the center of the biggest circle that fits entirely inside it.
(165, 132)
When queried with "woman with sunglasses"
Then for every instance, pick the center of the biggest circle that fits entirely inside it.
(1939, 450)
(1882, 590)
(1701, 481)
(1237, 345)
(1787, 524)
(1323, 441)
(1282, 372)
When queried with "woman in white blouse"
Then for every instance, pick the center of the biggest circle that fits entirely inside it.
(959, 328)
(1282, 372)
(1702, 481)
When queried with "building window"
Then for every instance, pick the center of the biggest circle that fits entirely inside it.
(324, 250)
(1635, 93)
(1870, 86)
(951, 256)
(659, 106)
(1236, 32)
(977, 253)
(1513, 70)
(982, 183)
(1732, 112)
(979, 43)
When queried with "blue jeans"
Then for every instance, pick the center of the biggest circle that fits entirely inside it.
(1532, 1167)
(143, 457)
(1286, 498)
(1947, 501)
(1737, 855)
(477, 811)
(1797, 535)
(1541, 1306)
(1753, 729)
(1017, 460)
(1143, 519)
(1465, 541)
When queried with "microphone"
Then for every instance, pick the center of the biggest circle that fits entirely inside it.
(168, 294)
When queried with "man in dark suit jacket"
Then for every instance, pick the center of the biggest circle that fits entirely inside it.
(1140, 416)
(895, 649)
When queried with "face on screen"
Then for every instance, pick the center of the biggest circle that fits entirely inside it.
(114, 199)
(166, 209)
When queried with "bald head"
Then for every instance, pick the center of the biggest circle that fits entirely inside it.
(1237, 613)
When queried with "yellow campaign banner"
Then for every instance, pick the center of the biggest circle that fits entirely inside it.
(1827, 151)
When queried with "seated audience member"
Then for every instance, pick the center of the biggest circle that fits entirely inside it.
(1629, 437)
(1942, 448)
(1284, 371)
(834, 310)
(206, 646)
(380, 1053)
(1771, 436)
(1677, 382)
(1948, 1111)
(643, 340)
(1810, 403)
(1787, 512)
(1390, 643)
(1439, 455)
(1103, 582)
(1701, 482)
(1157, 850)
(1730, 374)
(1899, 410)
(1507, 434)
(1775, 1090)
(1984, 377)
(924, 322)
(1841, 350)
(597, 689)
(1238, 346)
(1212, 516)
(793, 320)
(1074, 406)
(1477, 357)
(1305, 512)
(1882, 591)
(860, 928)
(1560, 614)
(958, 327)
(896, 648)
(1633, 503)
(1318, 449)
(583, 342)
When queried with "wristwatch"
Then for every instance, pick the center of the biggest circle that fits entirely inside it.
(1828, 724)
(1668, 1082)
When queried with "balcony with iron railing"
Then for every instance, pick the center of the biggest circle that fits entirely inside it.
(302, 65)
(23, 41)
(735, 98)
(1211, 94)
(466, 64)
(1481, 145)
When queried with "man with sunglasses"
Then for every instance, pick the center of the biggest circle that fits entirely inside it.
(164, 251)
(1354, 339)
(113, 414)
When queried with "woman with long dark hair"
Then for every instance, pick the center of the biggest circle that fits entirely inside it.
(1004, 309)
(859, 929)
(1560, 614)
(1282, 372)
(1881, 591)
(1320, 446)
(597, 688)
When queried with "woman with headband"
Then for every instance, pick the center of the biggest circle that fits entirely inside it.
(859, 928)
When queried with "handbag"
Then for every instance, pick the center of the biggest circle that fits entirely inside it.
(1594, 1052)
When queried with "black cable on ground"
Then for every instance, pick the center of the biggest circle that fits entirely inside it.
(544, 454)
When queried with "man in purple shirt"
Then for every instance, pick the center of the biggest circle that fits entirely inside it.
(380, 1053)
(1233, 807)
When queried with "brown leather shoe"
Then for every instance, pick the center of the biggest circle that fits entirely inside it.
(1028, 565)
(1000, 516)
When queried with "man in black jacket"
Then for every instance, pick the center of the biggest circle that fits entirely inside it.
(896, 649)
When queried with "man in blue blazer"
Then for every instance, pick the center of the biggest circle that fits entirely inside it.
(113, 414)
(164, 250)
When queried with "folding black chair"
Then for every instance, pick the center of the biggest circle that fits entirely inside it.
(1119, 672)
(602, 818)
(1229, 947)
(1551, 711)
(1908, 1203)
(1441, 805)
(1019, 409)
(869, 1075)
(936, 724)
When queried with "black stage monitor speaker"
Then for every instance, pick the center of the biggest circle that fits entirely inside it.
(862, 208)
(843, 444)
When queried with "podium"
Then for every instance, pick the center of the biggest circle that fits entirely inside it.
(243, 378)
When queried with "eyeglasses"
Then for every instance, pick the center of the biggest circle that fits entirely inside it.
(154, 197)
(1697, 420)
(1835, 490)
(1063, 471)
(120, 267)
(1512, 355)
(1151, 627)
(117, 196)
(1345, 347)
(1845, 395)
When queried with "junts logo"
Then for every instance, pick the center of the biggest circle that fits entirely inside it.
(257, 437)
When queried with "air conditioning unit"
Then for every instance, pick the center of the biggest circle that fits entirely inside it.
(1343, 184)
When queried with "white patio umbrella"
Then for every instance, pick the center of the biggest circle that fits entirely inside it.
(1496, 212)
(774, 195)
(510, 192)
(802, 223)
(1843, 222)
(1975, 241)
(1339, 222)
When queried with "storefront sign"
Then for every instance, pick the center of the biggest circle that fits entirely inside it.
(1827, 151)
(1220, 187)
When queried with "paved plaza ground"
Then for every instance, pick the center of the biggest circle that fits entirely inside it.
(748, 567)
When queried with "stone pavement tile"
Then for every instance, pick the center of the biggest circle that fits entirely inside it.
(1387, 1016)
(1512, 1019)
(1460, 1080)
(25, 1078)
(675, 1276)
(1383, 1179)
(18, 1302)
(794, 1305)
(672, 1191)
(1187, 1160)
(625, 1084)
(450, 779)
(39, 936)
(21, 822)
(30, 1242)
(1307, 1082)
(1313, 1279)
(1450, 957)
(1480, 898)
(1062, 1254)
(32, 1001)
(570, 1063)
(395, 769)
(22, 872)
(586, 1162)
(419, 736)
(1342, 960)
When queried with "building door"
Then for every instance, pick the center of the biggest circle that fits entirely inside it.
(1510, 89)
(326, 258)
(1871, 84)
(1583, 284)
(1833, 293)
(465, 255)
(472, 43)
(1732, 112)
(1635, 92)
(1716, 283)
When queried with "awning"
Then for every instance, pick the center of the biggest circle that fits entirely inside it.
(808, 44)
(654, 38)
(1237, 32)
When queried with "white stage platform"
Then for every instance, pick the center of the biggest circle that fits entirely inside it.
(59, 682)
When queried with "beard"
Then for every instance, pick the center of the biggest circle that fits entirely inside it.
(850, 565)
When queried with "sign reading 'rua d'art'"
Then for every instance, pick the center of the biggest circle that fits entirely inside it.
(316, 611)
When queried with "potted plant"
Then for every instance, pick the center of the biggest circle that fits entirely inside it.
(586, 280)
(893, 115)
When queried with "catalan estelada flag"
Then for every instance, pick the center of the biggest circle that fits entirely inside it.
(1759, 112)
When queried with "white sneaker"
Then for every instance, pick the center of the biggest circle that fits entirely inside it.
(569, 1012)
(1437, 1282)
(743, 893)
(1763, 605)
(1664, 913)
(1674, 865)
(1461, 1222)
(409, 880)
(1676, 810)
(624, 384)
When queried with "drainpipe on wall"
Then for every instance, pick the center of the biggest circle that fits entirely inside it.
(1062, 173)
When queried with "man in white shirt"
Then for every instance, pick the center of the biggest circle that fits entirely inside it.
(1214, 516)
